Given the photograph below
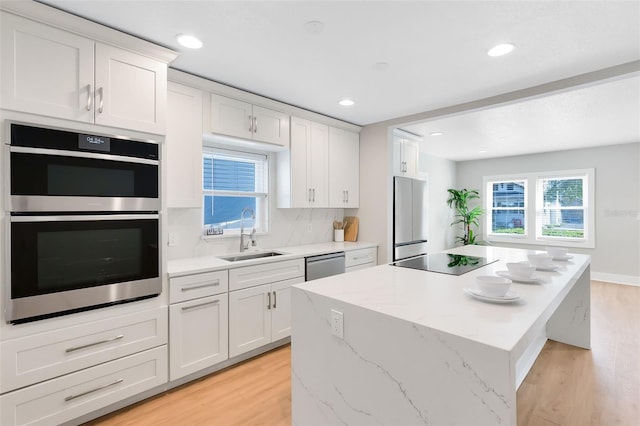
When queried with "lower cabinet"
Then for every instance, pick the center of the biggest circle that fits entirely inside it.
(259, 315)
(68, 397)
(361, 258)
(198, 332)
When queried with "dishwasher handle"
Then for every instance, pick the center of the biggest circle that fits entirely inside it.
(325, 257)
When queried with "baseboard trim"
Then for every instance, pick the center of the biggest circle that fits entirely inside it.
(615, 278)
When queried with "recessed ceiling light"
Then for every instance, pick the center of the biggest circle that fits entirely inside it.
(346, 102)
(314, 27)
(501, 49)
(379, 66)
(189, 41)
(437, 133)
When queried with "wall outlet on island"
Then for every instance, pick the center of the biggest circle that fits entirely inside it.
(309, 227)
(337, 324)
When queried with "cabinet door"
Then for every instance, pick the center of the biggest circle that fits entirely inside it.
(281, 308)
(231, 117)
(198, 335)
(184, 146)
(318, 165)
(410, 154)
(45, 70)
(249, 319)
(344, 168)
(270, 126)
(398, 161)
(131, 90)
(300, 140)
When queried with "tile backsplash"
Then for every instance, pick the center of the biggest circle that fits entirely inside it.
(288, 227)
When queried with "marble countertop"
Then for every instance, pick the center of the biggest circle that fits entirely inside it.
(438, 301)
(194, 265)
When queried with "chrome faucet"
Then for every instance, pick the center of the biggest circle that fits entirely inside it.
(252, 235)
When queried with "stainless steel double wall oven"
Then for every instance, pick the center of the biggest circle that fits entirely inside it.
(83, 222)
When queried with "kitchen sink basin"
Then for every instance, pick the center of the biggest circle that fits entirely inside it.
(249, 256)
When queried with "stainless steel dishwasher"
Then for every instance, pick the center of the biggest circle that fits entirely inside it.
(324, 265)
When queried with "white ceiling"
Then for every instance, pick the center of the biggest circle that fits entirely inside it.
(436, 55)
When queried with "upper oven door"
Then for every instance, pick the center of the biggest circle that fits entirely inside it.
(55, 171)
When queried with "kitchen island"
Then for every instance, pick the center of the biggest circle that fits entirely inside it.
(416, 349)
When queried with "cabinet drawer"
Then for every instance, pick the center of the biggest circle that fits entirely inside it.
(197, 285)
(41, 357)
(360, 256)
(252, 276)
(361, 266)
(66, 398)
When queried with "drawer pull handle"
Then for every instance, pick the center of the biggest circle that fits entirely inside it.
(360, 257)
(77, 348)
(197, 286)
(71, 397)
(213, 302)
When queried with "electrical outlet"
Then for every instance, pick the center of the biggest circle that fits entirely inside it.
(309, 227)
(173, 239)
(337, 324)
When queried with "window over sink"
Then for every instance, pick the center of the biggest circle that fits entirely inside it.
(234, 180)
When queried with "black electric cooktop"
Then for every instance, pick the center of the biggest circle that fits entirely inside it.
(445, 263)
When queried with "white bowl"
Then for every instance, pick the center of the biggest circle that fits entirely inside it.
(540, 259)
(521, 269)
(557, 251)
(491, 285)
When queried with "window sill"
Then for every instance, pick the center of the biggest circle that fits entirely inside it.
(523, 239)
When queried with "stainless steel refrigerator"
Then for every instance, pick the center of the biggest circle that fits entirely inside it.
(409, 217)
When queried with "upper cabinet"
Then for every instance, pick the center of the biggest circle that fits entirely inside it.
(405, 156)
(303, 170)
(344, 168)
(321, 169)
(51, 72)
(183, 160)
(232, 117)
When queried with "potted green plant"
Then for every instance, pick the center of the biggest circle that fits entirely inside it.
(467, 216)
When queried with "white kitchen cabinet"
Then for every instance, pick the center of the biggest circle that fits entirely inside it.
(259, 315)
(198, 334)
(51, 72)
(183, 143)
(344, 166)
(39, 357)
(405, 156)
(66, 398)
(240, 119)
(360, 259)
(198, 322)
(303, 171)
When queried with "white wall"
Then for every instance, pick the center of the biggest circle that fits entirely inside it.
(441, 175)
(616, 256)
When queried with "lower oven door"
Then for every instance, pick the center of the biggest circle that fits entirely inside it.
(63, 264)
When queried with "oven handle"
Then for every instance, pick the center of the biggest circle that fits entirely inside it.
(83, 217)
(80, 154)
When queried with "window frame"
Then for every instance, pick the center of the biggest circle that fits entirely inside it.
(534, 204)
(262, 212)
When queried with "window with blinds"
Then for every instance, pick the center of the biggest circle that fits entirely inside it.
(550, 208)
(233, 181)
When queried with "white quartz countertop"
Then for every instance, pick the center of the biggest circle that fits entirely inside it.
(195, 265)
(438, 300)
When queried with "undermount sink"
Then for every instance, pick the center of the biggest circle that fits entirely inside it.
(249, 256)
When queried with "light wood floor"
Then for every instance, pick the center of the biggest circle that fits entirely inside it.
(566, 386)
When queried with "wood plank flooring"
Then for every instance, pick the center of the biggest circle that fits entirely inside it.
(566, 386)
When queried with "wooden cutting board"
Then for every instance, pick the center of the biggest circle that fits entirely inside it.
(351, 228)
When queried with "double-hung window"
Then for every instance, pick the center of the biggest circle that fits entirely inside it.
(550, 208)
(234, 181)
